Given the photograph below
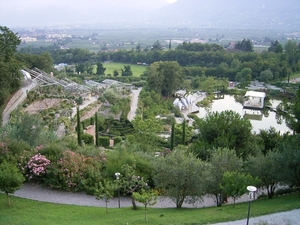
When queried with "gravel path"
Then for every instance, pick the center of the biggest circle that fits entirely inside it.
(134, 103)
(36, 192)
(283, 218)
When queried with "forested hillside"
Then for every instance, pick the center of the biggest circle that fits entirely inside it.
(197, 59)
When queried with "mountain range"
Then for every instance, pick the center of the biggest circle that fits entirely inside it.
(231, 14)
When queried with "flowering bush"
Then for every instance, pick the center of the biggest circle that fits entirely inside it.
(3, 151)
(74, 172)
(71, 169)
(37, 165)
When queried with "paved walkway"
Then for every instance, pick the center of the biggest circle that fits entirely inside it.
(12, 105)
(134, 103)
(36, 192)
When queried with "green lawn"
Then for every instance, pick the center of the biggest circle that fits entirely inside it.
(295, 75)
(137, 70)
(23, 211)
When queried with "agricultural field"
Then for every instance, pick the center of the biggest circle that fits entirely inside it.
(137, 70)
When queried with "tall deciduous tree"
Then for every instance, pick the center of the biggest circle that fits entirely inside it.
(8, 44)
(10, 79)
(156, 46)
(165, 77)
(266, 75)
(266, 169)
(182, 176)
(288, 161)
(155, 79)
(11, 179)
(127, 71)
(244, 76)
(244, 45)
(222, 160)
(291, 50)
(293, 113)
(100, 69)
(271, 138)
(275, 47)
(226, 129)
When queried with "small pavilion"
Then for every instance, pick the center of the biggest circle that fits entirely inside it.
(254, 100)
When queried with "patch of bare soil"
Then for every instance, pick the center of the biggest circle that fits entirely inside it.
(91, 130)
(42, 105)
(91, 112)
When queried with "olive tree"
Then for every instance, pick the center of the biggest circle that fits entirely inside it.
(11, 179)
(182, 176)
(235, 184)
(222, 160)
(266, 169)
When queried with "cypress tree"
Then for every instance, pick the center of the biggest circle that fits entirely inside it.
(183, 132)
(96, 129)
(172, 136)
(78, 128)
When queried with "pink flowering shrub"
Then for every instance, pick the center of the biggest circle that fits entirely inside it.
(71, 169)
(74, 172)
(37, 166)
(3, 148)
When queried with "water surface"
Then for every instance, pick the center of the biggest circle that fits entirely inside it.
(259, 119)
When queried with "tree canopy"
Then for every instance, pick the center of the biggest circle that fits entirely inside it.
(244, 45)
(226, 129)
(182, 176)
(10, 79)
(165, 77)
(11, 179)
(222, 160)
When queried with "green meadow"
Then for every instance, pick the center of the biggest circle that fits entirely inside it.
(24, 211)
(136, 69)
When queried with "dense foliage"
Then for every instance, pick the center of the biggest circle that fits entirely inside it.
(225, 149)
(10, 79)
(182, 176)
(225, 129)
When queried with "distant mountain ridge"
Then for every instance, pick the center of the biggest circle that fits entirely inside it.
(231, 14)
(259, 14)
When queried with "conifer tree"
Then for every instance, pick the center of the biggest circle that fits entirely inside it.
(183, 132)
(78, 128)
(96, 129)
(172, 136)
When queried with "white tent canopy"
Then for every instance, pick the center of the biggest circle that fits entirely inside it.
(255, 94)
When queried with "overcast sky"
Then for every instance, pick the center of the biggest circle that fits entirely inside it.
(25, 4)
(18, 12)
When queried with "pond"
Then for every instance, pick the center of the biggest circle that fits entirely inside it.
(258, 118)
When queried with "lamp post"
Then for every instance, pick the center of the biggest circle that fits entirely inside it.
(117, 174)
(251, 190)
